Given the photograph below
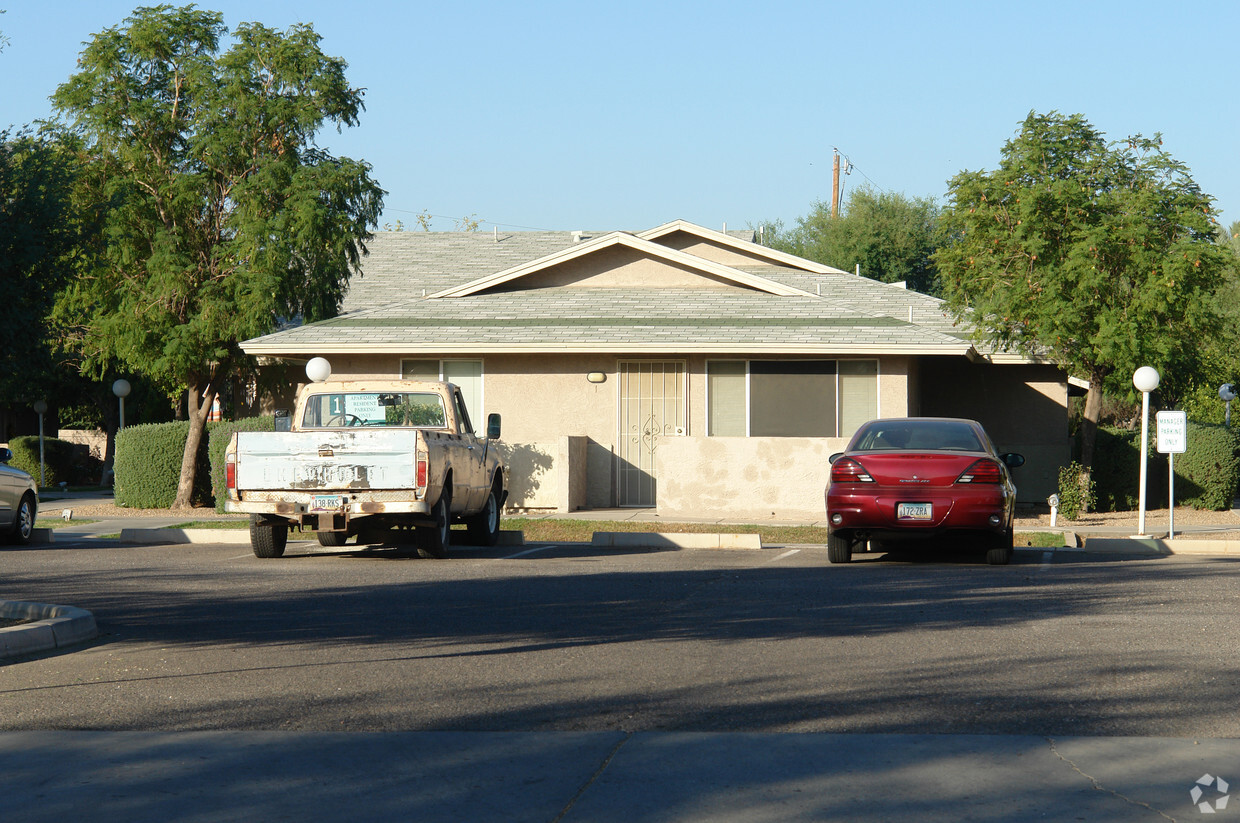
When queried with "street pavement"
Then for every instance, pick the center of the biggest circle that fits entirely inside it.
(600, 775)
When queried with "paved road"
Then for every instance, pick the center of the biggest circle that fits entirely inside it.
(879, 665)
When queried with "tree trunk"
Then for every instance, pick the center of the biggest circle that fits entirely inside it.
(197, 414)
(1089, 428)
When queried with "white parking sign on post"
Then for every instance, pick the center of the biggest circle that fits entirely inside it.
(1172, 440)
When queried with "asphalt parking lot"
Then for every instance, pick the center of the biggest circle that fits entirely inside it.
(720, 684)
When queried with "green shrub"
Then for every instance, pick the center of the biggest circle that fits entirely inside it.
(58, 458)
(148, 464)
(1077, 491)
(1208, 473)
(1117, 469)
(220, 434)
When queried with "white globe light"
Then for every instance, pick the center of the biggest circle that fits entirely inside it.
(318, 369)
(1227, 392)
(121, 388)
(1145, 379)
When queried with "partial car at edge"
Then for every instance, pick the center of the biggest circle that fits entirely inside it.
(19, 501)
(906, 481)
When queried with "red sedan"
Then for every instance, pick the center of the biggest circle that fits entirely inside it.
(915, 478)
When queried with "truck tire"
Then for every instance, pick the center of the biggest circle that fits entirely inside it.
(268, 538)
(483, 527)
(332, 538)
(432, 541)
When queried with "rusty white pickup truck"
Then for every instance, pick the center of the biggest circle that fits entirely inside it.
(391, 461)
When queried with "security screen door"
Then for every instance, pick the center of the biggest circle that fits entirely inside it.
(652, 406)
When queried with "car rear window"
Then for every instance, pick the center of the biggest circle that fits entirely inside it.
(344, 409)
(918, 435)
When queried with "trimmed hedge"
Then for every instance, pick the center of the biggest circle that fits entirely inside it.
(58, 458)
(220, 434)
(148, 464)
(1207, 475)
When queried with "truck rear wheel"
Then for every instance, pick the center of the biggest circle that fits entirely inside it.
(433, 540)
(268, 538)
(483, 527)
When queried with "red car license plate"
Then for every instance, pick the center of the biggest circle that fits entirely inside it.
(913, 511)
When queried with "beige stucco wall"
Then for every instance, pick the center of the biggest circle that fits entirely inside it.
(759, 479)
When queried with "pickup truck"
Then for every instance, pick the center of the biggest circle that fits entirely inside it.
(386, 460)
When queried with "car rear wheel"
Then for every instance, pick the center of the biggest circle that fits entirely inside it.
(1000, 554)
(23, 524)
(839, 547)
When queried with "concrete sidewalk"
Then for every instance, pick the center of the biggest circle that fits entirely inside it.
(607, 776)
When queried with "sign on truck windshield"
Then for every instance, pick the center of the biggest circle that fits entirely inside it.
(373, 409)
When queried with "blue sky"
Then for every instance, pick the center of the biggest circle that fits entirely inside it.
(572, 115)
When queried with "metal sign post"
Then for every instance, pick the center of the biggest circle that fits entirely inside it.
(1172, 440)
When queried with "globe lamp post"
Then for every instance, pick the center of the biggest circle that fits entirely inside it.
(1146, 380)
(1227, 393)
(121, 389)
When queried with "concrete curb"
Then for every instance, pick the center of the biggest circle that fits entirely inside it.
(54, 627)
(186, 535)
(676, 540)
(1159, 546)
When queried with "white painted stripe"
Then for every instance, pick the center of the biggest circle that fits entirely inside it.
(528, 551)
(788, 553)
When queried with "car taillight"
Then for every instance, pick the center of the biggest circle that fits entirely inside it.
(847, 470)
(983, 471)
(230, 472)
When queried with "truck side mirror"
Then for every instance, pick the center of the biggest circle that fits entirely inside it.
(283, 421)
(493, 425)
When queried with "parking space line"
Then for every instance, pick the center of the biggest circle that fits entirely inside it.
(788, 553)
(529, 551)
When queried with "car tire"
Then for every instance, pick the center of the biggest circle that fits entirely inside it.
(332, 539)
(1000, 554)
(268, 538)
(483, 528)
(839, 548)
(23, 523)
(433, 541)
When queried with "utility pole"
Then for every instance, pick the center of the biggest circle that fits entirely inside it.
(835, 185)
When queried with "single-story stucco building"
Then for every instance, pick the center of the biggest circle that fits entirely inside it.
(681, 368)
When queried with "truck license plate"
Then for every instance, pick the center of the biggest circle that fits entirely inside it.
(325, 502)
(913, 511)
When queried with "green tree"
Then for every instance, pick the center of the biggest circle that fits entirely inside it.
(222, 214)
(1100, 255)
(40, 231)
(891, 236)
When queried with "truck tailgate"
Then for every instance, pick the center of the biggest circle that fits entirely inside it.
(377, 459)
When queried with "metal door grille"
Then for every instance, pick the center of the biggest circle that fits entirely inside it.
(652, 405)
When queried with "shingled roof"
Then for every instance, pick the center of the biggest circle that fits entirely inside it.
(478, 292)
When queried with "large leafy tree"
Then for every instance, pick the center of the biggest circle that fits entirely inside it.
(222, 214)
(891, 236)
(1100, 255)
(40, 231)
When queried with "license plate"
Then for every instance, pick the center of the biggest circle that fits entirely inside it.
(913, 511)
(323, 502)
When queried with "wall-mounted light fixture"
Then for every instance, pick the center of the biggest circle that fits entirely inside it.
(596, 377)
